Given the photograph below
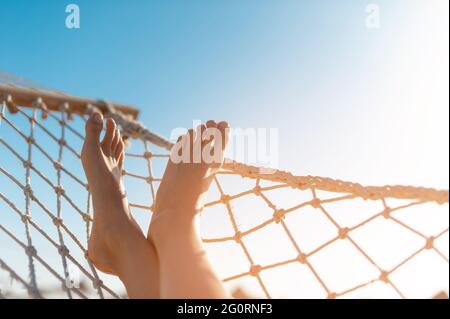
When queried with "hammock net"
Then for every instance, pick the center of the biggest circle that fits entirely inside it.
(268, 235)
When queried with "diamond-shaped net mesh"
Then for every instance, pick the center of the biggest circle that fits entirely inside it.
(270, 235)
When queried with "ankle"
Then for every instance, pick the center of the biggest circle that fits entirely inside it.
(111, 187)
(171, 226)
(175, 217)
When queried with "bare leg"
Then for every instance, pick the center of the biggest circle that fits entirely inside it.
(116, 244)
(185, 271)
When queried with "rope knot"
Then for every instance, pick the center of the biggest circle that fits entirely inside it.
(278, 215)
(62, 142)
(39, 103)
(386, 212)
(57, 221)
(27, 164)
(384, 276)
(63, 250)
(30, 251)
(149, 180)
(224, 199)
(65, 108)
(25, 218)
(57, 165)
(8, 100)
(148, 155)
(237, 237)
(257, 190)
(86, 217)
(30, 140)
(255, 270)
(97, 283)
(429, 243)
(28, 191)
(315, 203)
(343, 232)
(59, 190)
(331, 295)
(301, 258)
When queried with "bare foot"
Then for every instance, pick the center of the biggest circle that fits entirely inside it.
(184, 185)
(114, 229)
(185, 271)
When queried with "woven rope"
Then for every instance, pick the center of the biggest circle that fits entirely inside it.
(137, 131)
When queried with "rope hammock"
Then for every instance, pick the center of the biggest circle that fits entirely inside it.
(60, 216)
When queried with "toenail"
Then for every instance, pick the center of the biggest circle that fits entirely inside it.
(97, 117)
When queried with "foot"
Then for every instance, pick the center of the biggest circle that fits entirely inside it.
(194, 161)
(113, 226)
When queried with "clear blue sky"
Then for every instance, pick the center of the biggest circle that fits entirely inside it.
(310, 68)
(369, 106)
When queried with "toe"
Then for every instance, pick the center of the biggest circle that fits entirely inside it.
(178, 147)
(119, 149)
(198, 142)
(115, 141)
(190, 139)
(224, 129)
(208, 135)
(109, 136)
(201, 129)
(94, 127)
(223, 125)
(211, 124)
(177, 150)
(191, 134)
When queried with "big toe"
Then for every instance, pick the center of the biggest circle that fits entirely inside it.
(109, 136)
(94, 127)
